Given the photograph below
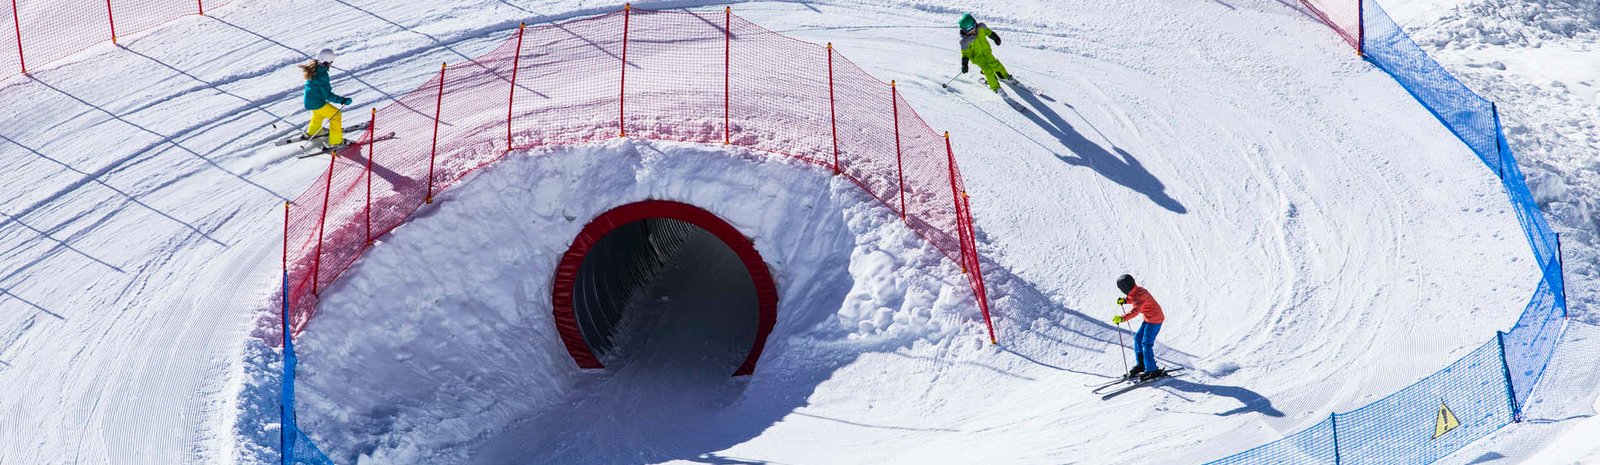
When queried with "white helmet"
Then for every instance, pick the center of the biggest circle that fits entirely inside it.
(326, 55)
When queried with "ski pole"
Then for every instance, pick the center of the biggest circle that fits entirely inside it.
(946, 84)
(1122, 346)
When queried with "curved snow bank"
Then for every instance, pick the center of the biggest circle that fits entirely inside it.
(440, 343)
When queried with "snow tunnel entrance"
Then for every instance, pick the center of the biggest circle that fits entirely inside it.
(660, 266)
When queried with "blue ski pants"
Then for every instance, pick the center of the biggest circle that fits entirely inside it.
(1144, 345)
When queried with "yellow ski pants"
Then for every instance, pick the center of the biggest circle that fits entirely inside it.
(335, 121)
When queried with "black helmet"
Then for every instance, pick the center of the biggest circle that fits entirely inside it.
(1125, 283)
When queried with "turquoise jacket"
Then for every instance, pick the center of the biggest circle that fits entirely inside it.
(319, 91)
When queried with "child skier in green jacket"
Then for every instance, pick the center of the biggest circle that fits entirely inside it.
(975, 38)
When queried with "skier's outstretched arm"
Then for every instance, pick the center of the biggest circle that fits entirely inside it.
(332, 97)
(995, 36)
(326, 85)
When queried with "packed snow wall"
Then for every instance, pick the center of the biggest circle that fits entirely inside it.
(441, 347)
(1486, 389)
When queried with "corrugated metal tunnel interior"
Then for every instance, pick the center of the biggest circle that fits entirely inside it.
(665, 290)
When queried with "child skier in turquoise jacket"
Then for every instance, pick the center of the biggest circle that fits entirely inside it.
(319, 98)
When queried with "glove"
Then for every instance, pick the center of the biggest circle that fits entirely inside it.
(1117, 320)
(963, 68)
(1122, 300)
(347, 100)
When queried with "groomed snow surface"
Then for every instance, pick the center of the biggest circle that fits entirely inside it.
(1317, 239)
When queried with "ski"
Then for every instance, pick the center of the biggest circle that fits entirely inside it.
(1173, 373)
(1027, 88)
(1114, 381)
(330, 150)
(320, 135)
(1109, 380)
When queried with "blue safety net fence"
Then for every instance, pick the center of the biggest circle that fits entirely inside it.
(296, 447)
(1484, 390)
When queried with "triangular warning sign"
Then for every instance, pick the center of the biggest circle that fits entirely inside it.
(1445, 421)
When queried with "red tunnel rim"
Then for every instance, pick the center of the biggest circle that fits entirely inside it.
(567, 272)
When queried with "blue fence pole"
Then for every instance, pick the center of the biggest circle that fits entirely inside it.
(1505, 371)
(1333, 421)
(1561, 271)
(1361, 28)
(1500, 156)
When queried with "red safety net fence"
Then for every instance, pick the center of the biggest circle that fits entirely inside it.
(1344, 16)
(699, 77)
(41, 31)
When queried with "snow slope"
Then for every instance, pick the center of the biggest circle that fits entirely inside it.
(1298, 215)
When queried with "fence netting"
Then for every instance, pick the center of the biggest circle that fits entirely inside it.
(1487, 388)
(1405, 427)
(38, 32)
(10, 54)
(1468, 115)
(666, 75)
(1344, 16)
(1310, 446)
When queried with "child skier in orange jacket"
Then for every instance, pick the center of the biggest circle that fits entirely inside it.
(1144, 342)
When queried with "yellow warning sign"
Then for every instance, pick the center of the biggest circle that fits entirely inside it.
(1445, 421)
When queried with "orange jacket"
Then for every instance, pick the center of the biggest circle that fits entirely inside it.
(1144, 304)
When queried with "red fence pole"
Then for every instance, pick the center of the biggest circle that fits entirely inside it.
(977, 268)
(327, 191)
(286, 269)
(112, 20)
(969, 244)
(372, 140)
(833, 115)
(202, 6)
(900, 169)
(727, 56)
(18, 29)
(622, 89)
(286, 244)
(955, 193)
(516, 62)
(436, 107)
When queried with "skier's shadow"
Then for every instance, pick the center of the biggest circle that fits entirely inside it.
(1121, 167)
(1250, 401)
(359, 158)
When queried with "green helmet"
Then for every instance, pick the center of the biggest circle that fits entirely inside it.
(967, 22)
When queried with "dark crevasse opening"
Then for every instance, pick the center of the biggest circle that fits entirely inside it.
(665, 293)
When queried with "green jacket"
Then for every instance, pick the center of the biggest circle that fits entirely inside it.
(977, 50)
(319, 91)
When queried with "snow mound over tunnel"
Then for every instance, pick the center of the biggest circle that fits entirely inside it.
(439, 347)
